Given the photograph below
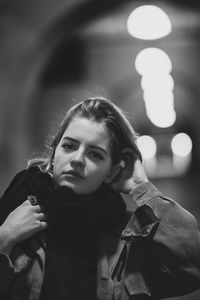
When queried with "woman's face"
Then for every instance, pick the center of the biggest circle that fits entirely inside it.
(82, 158)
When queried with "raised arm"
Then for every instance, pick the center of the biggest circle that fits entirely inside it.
(168, 233)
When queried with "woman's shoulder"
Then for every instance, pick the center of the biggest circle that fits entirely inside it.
(23, 173)
(20, 176)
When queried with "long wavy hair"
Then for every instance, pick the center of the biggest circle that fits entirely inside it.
(101, 110)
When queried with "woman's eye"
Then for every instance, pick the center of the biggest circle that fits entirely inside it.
(96, 155)
(68, 146)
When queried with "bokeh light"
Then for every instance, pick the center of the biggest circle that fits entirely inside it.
(148, 22)
(147, 146)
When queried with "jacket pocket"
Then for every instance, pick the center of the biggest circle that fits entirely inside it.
(136, 285)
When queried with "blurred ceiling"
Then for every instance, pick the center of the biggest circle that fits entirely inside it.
(101, 26)
(109, 53)
(48, 44)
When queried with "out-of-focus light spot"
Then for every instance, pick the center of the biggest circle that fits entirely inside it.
(160, 83)
(152, 61)
(181, 144)
(162, 118)
(157, 100)
(148, 22)
(147, 146)
(160, 108)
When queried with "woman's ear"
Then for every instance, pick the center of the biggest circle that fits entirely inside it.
(114, 172)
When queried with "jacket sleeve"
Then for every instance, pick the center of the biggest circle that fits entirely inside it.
(6, 271)
(7, 268)
(170, 241)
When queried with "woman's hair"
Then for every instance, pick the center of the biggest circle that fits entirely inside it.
(100, 110)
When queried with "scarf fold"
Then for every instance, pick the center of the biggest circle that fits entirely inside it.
(69, 212)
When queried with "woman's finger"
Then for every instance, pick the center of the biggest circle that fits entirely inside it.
(129, 155)
(43, 216)
(36, 205)
(43, 225)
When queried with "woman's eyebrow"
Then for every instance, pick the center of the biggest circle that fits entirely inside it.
(69, 139)
(98, 148)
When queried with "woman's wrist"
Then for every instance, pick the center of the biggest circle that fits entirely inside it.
(6, 242)
(133, 188)
(139, 177)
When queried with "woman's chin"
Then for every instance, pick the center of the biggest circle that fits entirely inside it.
(75, 188)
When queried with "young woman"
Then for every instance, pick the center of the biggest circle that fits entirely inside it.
(66, 233)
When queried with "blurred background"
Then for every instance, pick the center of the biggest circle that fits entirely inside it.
(143, 55)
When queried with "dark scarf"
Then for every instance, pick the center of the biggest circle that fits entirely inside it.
(69, 212)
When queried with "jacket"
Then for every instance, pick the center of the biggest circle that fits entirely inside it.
(153, 254)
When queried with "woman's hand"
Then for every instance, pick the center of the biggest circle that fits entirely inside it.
(131, 175)
(21, 223)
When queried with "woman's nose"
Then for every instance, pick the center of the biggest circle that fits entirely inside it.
(76, 163)
(78, 160)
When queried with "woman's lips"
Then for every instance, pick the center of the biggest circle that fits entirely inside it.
(73, 174)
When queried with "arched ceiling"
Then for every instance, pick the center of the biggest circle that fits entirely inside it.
(34, 32)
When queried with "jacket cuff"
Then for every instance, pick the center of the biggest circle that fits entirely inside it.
(5, 258)
(142, 225)
(143, 193)
(144, 222)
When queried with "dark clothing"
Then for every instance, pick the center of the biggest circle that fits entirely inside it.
(152, 253)
(71, 268)
(69, 212)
